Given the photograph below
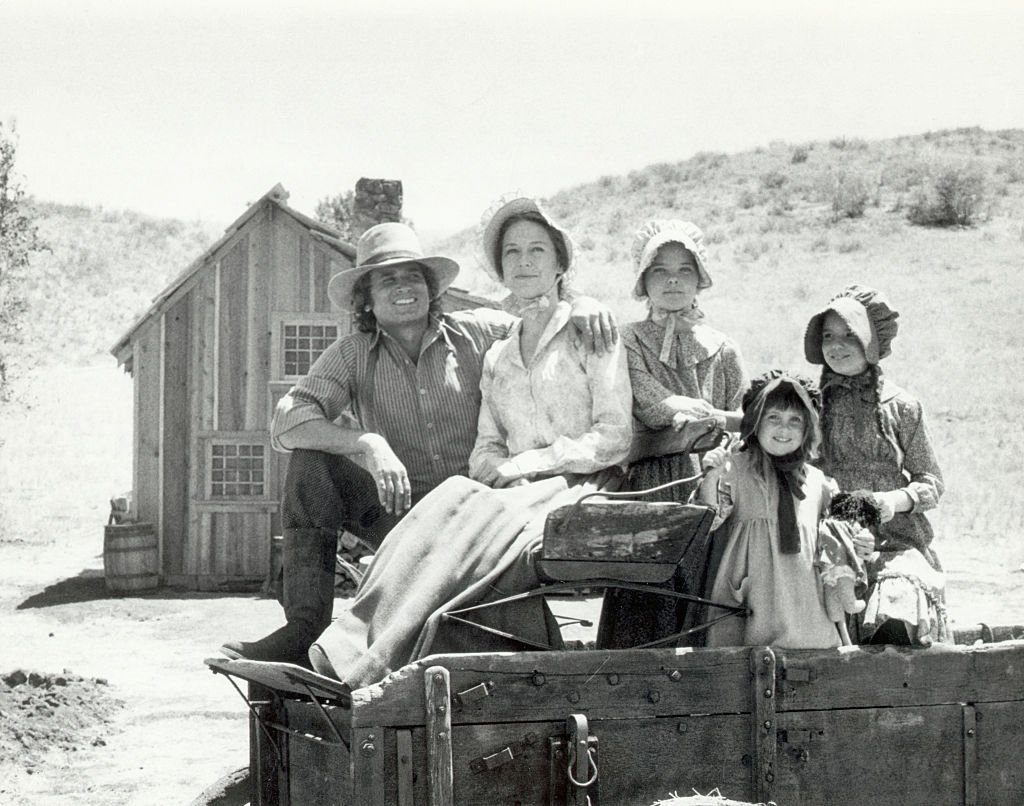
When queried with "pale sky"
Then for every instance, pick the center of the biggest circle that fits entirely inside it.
(193, 109)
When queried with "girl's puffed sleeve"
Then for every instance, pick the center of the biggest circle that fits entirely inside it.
(925, 485)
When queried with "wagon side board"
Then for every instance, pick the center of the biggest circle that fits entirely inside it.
(848, 726)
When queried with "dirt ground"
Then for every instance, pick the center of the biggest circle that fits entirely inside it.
(105, 700)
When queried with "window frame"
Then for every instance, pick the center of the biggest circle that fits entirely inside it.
(236, 438)
(282, 320)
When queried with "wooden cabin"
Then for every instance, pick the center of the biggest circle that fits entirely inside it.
(209, 360)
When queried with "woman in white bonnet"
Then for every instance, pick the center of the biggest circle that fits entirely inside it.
(682, 371)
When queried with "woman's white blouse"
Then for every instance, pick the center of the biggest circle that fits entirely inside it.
(566, 411)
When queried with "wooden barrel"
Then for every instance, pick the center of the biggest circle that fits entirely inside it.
(131, 558)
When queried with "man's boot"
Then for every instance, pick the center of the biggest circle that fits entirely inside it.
(307, 560)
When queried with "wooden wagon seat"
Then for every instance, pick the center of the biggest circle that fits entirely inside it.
(609, 543)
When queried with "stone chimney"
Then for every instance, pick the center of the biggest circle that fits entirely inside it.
(376, 201)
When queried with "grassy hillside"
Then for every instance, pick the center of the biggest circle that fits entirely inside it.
(102, 270)
(781, 243)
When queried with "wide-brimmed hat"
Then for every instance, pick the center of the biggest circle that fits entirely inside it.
(868, 315)
(508, 207)
(386, 245)
(655, 234)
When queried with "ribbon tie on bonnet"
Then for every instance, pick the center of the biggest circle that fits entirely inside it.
(673, 322)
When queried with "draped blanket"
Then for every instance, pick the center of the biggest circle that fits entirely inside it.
(462, 544)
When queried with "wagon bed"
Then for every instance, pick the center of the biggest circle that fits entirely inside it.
(854, 725)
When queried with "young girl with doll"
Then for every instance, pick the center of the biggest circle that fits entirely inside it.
(874, 438)
(686, 377)
(769, 501)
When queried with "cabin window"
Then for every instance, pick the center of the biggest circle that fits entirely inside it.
(302, 345)
(237, 470)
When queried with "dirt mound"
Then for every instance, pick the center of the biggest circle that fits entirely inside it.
(40, 713)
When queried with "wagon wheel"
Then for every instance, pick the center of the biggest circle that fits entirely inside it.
(233, 789)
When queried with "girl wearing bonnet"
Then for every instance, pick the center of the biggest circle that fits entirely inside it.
(683, 373)
(875, 439)
(681, 368)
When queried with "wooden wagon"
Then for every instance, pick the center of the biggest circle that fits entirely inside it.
(853, 725)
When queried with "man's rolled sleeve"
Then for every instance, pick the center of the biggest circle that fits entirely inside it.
(323, 394)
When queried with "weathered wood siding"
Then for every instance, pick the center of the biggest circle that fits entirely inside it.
(146, 471)
(204, 369)
(177, 338)
(233, 335)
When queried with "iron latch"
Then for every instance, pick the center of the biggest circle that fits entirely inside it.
(503, 756)
(474, 693)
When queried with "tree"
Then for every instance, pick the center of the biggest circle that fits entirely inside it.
(19, 238)
(338, 212)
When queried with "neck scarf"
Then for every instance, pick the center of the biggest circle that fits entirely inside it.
(674, 321)
(863, 386)
(789, 473)
(523, 307)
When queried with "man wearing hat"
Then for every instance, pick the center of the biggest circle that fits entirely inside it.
(401, 395)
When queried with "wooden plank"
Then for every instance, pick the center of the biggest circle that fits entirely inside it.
(218, 272)
(321, 278)
(438, 723)
(176, 430)
(404, 770)
(253, 539)
(318, 766)
(970, 745)
(287, 247)
(1000, 774)
(304, 295)
(763, 723)
(689, 681)
(605, 684)
(161, 441)
(204, 546)
(258, 327)
(233, 338)
(910, 756)
(147, 409)
(902, 676)
(368, 779)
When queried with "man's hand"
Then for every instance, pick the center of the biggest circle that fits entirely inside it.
(595, 324)
(389, 474)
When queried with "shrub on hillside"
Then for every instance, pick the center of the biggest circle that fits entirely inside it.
(773, 180)
(848, 195)
(800, 154)
(748, 199)
(952, 198)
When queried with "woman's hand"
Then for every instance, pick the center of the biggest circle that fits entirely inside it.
(688, 408)
(500, 473)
